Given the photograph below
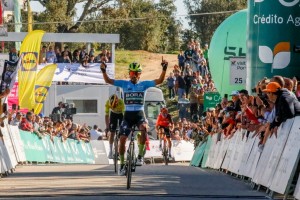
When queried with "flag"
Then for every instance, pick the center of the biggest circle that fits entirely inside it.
(30, 49)
(17, 17)
(29, 13)
(43, 83)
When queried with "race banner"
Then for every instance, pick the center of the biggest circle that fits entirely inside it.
(75, 72)
(28, 68)
(43, 83)
(273, 39)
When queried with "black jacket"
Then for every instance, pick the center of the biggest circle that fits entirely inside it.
(286, 106)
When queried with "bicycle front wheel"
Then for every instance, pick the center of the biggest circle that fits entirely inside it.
(166, 158)
(116, 143)
(130, 160)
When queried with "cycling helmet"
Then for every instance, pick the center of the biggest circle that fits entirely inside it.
(112, 100)
(135, 67)
(164, 110)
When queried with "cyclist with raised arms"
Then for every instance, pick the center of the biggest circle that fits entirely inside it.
(164, 124)
(134, 94)
(114, 109)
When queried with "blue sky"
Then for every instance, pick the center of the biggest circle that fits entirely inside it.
(181, 10)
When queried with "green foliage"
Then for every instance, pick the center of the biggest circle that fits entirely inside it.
(142, 24)
(205, 25)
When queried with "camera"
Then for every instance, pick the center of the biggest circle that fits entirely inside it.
(296, 48)
(68, 111)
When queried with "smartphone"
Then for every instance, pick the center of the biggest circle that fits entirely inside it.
(14, 107)
(4, 107)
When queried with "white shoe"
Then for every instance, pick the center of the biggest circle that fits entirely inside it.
(139, 161)
(110, 155)
(122, 171)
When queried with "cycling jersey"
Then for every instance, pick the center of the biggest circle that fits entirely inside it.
(119, 109)
(164, 121)
(134, 94)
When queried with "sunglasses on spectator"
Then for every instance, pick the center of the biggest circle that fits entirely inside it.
(132, 73)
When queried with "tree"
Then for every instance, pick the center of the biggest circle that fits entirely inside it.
(205, 25)
(64, 13)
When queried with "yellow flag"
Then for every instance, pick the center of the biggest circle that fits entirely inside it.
(42, 85)
(30, 49)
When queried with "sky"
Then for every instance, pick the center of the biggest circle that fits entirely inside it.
(181, 10)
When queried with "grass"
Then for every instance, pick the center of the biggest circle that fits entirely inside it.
(124, 58)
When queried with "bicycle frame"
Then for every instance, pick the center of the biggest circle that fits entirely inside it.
(131, 158)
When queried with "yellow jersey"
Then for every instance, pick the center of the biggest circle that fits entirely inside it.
(120, 108)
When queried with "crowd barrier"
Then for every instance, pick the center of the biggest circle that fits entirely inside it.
(19, 146)
(274, 166)
(181, 151)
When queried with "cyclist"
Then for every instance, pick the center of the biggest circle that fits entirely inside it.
(134, 94)
(164, 126)
(116, 107)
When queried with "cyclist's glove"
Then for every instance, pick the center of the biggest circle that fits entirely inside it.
(164, 65)
(103, 67)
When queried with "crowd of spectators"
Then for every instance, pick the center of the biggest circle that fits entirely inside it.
(79, 55)
(274, 101)
(64, 129)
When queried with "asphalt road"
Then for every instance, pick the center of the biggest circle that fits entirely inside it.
(155, 181)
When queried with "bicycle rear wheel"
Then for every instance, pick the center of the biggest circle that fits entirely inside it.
(116, 143)
(130, 160)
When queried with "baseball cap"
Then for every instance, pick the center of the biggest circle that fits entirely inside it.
(272, 87)
(234, 93)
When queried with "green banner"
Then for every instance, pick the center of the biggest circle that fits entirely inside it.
(273, 46)
(33, 147)
(56, 150)
(206, 151)
(229, 40)
(47, 147)
(198, 154)
(211, 99)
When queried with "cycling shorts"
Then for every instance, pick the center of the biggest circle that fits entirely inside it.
(166, 131)
(132, 118)
(113, 121)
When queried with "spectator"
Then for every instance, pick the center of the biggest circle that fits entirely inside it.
(27, 122)
(181, 60)
(13, 55)
(286, 105)
(236, 101)
(66, 52)
(58, 55)
(183, 106)
(51, 56)
(16, 120)
(171, 85)
(95, 134)
(42, 55)
(179, 84)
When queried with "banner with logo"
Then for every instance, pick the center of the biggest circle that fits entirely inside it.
(42, 85)
(75, 72)
(30, 49)
(273, 39)
(238, 71)
(229, 40)
(211, 99)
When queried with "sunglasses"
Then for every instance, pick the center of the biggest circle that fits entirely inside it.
(132, 73)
